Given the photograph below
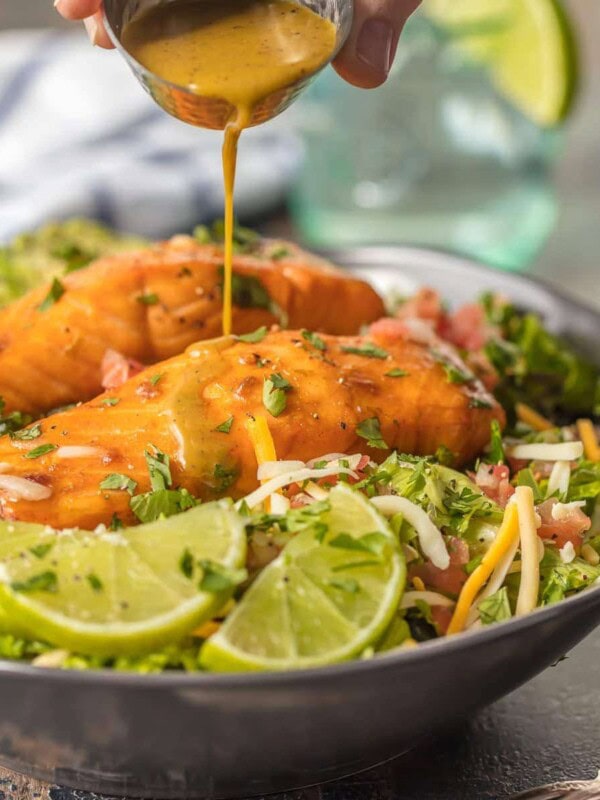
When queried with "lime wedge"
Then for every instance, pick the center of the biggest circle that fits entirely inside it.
(124, 592)
(528, 45)
(323, 600)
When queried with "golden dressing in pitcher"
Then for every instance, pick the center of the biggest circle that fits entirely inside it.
(240, 50)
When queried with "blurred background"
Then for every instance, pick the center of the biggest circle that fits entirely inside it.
(444, 155)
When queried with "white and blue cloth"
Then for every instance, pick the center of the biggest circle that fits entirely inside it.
(80, 137)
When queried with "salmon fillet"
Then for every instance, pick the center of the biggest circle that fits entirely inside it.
(152, 304)
(193, 408)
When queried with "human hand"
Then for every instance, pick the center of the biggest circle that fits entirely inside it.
(365, 59)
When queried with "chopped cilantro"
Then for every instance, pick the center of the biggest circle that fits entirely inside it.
(161, 503)
(42, 582)
(368, 349)
(149, 299)
(159, 469)
(370, 429)
(454, 373)
(13, 421)
(397, 373)
(255, 336)
(94, 581)
(186, 563)
(496, 448)
(41, 550)
(118, 482)
(110, 401)
(41, 450)
(156, 378)
(279, 252)
(216, 578)
(115, 523)
(26, 434)
(479, 402)
(274, 394)
(225, 477)
(55, 292)
(525, 477)
(225, 427)
(314, 339)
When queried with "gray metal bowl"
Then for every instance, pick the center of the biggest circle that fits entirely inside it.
(218, 736)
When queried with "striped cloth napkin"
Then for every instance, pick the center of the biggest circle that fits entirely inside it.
(79, 136)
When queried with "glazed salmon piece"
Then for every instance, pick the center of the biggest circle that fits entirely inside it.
(176, 407)
(151, 305)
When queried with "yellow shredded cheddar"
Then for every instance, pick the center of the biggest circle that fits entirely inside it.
(418, 584)
(262, 442)
(507, 535)
(587, 434)
(530, 417)
(206, 629)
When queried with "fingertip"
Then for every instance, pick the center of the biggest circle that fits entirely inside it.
(77, 9)
(97, 32)
(358, 74)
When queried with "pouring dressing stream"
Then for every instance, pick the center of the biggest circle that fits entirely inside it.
(241, 51)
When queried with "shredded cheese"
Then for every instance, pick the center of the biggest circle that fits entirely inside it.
(561, 451)
(559, 479)
(532, 418)
(418, 584)
(590, 555)
(567, 553)
(430, 538)
(409, 599)
(23, 488)
(530, 566)
(502, 544)
(262, 442)
(587, 434)
(299, 476)
(76, 451)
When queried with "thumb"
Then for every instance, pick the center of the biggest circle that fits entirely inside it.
(367, 56)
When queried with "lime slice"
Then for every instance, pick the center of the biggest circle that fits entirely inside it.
(323, 600)
(124, 592)
(528, 45)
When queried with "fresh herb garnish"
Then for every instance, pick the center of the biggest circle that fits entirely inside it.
(110, 401)
(216, 578)
(479, 402)
(26, 434)
(94, 581)
(370, 429)
(118, 482)
(274, 393)
(225, 476)
(41, 450)
(151, 506)
(41, 550)
(368, 349)
(115, 523)
(42, 582)
(158, 469)
(314, 339)
(255, 336)
(156, 378)
(454, 373)
(225, 427)
(279, 252)
(55, 292)
(149, 299)
(397, 373)
(496, 447)
(13, 421)
(186, 564)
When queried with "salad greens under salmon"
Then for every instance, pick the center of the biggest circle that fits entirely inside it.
(342, 556)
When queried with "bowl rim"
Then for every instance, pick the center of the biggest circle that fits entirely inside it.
(350, 258)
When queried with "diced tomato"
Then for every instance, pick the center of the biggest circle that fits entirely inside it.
(388, 329)
(116, 369)
(467, 327)
(494, 482)
(441, 616)
(447, 581)
(425, 304)
(562, 531)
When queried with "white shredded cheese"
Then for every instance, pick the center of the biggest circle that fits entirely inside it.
(23, 488)
(53, 659)
(432, 598)
(299, 476)
(563, 451)
(530, 566)
(430, 538)
(78, 451)
(495, 582)
(279, 504)
(335, 459)
(272, 469)
(562, 511)
(567, 553)
(559, 479)
(315, 491)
